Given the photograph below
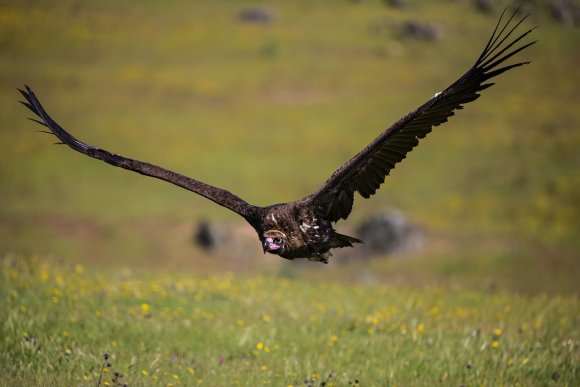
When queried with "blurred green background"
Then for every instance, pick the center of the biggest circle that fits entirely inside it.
(268, 110)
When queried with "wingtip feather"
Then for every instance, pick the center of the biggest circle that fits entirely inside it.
(28, 105)
(38, 122)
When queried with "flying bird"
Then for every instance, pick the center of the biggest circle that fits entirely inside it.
(304, 228)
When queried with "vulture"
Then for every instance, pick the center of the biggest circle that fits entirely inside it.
(304, 228)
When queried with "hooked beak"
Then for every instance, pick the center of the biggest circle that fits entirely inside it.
(266, 244)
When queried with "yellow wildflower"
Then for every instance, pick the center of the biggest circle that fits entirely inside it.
(145, 308)
(260, 345)
(403, 329)
(495, 344)
(79, 269)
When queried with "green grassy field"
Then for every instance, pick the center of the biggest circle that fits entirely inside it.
(174, 329)
(99, 260)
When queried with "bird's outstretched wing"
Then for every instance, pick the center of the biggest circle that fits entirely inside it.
(366, 171)
(220, 196)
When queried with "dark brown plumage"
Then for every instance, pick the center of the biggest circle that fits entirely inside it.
(303, 228)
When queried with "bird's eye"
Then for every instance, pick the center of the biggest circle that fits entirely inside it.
(277, 240)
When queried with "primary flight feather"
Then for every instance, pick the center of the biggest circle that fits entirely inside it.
(303, 228)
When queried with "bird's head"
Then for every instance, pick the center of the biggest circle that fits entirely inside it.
(274, 242)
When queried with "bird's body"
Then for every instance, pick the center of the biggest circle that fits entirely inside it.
(305, 234)
(304, 228)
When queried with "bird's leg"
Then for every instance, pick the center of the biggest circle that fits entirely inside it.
(321, 257)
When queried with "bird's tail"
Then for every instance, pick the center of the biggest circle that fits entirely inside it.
(346, 241)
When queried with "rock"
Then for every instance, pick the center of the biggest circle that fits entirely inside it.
(389, 232)
(256, 15)
(421, 31)
(565, 12)
(206, 236)
(396, 3)
(234, 241)
(485, 6)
